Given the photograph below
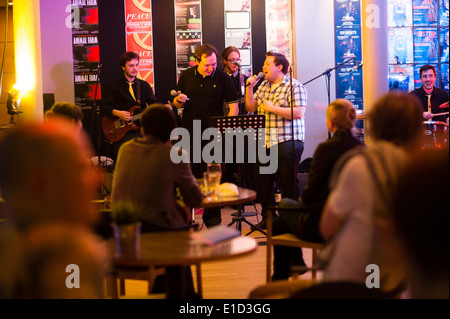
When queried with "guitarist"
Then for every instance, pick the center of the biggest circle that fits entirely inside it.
(124, 93)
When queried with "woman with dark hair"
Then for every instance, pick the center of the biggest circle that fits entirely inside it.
(304, 222)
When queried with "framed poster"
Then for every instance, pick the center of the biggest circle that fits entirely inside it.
(443, 13)
(237, 20)
(279, 27)
(349, 83)
(237, 5)
(348, 44)
(443, 44)
(399, 13)
(400, 45)
(347, 13)
(240, 39)
(426, 45)
(444, 76)
(425, 13)
(401, 77)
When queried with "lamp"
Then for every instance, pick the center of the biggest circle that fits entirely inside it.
(11, 102)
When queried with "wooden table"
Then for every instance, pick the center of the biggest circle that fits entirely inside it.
(177, 249)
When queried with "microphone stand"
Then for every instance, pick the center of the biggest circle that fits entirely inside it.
(328, 76)
(292, 130)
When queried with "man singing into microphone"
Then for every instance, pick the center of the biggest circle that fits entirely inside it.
(202, 91)
(273, 99)
(126, 92)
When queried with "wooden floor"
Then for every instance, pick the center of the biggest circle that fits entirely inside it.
(234, 278)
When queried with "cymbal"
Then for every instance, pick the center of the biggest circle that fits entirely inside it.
(443, 105)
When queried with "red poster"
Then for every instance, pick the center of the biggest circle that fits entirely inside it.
(138, 16)
(141, 43)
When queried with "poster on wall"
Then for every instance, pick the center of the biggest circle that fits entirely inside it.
(401, 77)
(443, 44)
(349, 83)
(444, 76)
(347, 13)
(139, 39)
(425, 12)
(237, 5)
(278, 27)
(400, 13)
(86, 53)
(188, 30)
(348, 45)
(426, 45)
(443, 13)
(417, 82)
(400, 45)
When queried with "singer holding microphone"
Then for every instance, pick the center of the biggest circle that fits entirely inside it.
(273, 99)
(201, 91)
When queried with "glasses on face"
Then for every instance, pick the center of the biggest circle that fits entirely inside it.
(234, 60)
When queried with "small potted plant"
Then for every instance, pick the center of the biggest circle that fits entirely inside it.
(126, 227)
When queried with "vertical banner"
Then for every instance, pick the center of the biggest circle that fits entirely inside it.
(238, 31)
(86, 53)
(279, 27)
(188, 28)
(138, 28)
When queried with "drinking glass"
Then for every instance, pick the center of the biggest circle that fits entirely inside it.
(213, 176)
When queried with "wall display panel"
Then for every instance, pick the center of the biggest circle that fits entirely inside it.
(400, 13)
(347, 13)
(444, 76)
(400, 46)
(139, 38)
(444, 44)
(188, 28)
(425, 12)
(279, 27)
(86, 53)
(426, 45)
(417, 82)
(443, 13)
(238, 31)
(348, 44)
(401, 77)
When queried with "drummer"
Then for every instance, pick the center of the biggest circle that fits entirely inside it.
(433, 99)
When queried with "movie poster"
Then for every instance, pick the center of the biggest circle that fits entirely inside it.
(348, 45)
(425, 13)
(401, 77)
(86, 52)
(278, 27)
(444, 76)
(188, 29)
(139, 38)
(417, 82)
(400, 45)
(349, 83)
(426, 45)
(443, 13)
(347, 13)
(443, 44)
(400, 13)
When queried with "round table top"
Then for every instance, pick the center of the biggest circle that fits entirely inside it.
(178, 248)
(244, 196)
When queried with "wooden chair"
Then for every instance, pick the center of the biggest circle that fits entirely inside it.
(289, 240)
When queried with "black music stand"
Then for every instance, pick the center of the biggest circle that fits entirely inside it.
(240, 123)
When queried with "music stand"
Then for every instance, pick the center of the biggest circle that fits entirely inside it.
(240, 123)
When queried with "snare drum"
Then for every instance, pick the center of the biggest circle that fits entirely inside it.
(436, 134)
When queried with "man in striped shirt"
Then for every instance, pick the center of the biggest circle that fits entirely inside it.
(273, 99)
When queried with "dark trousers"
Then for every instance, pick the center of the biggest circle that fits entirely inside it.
(285, 173)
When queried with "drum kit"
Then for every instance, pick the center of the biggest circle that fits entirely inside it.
(435, 132)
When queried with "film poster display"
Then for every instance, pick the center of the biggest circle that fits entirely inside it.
(86, 53)
(238, 31)
(400, 13)
(400, 46)
(401, 77)
(347, 13)
(426, 45)
(443, 13)
(425, 13)
(349, 84)
(444, 76)
(348, 44)
(417, 82)
(278, 27)
(188, 28)
(443, 44)
(139, 39)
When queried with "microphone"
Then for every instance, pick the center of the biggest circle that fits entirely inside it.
(356, 67)
(175, 94)
(258, 77)
(236, 63)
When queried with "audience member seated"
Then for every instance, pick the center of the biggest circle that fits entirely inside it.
(48, 187)
(146, 175)
(356, 217)
(420, 213)
(304, 222)
(67, 111)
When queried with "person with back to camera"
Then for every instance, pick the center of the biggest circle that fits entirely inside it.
(304, 222)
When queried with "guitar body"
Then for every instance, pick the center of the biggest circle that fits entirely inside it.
(115, 129)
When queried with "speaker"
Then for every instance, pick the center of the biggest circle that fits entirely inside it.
(49, 100)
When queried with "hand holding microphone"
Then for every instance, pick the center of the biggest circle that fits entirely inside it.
(181, 98)
(254, 79)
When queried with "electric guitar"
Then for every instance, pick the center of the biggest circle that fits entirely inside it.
(115, 128)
